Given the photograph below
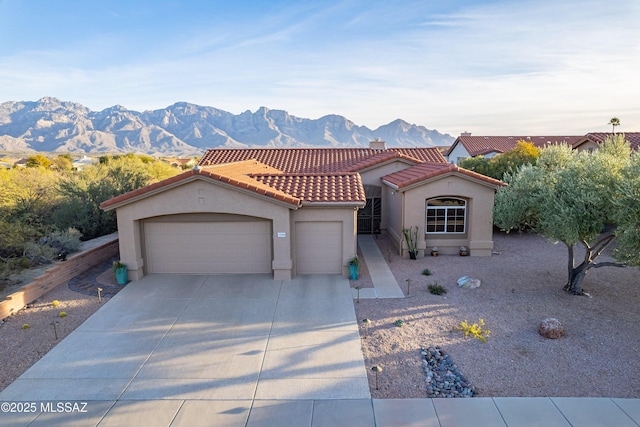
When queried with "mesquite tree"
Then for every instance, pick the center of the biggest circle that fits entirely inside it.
(575, 198)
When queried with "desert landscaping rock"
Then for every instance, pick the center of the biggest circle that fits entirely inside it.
(443, 377)
(468, 282)
(551, 328)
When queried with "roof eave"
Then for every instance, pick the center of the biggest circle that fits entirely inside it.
(386, 162)
(357, 204)
(442, 176)
(389, 184)
(294, 204)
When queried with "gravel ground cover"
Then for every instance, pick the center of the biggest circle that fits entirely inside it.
(521, 285)
(21, 346)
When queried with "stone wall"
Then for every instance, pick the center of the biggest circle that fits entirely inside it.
(60, 273)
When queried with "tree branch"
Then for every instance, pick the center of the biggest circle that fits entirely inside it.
(608, 264)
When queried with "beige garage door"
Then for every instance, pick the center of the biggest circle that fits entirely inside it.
(208, 247)
(319, 247)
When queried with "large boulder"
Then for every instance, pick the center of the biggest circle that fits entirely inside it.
(551, 328)
(468, 282)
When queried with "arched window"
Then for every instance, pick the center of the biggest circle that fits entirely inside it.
(446, 215)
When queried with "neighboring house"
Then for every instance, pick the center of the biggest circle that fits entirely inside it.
(291, 212)
(80, 164)
(180, 162)
(592, 140)
(466, 146)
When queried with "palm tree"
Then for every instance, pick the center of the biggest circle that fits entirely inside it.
(614, 122)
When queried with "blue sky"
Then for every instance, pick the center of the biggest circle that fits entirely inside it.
(488, 67)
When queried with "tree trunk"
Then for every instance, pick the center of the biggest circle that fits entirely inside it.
(577, 274)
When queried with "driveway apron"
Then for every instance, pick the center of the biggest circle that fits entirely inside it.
(221, 337)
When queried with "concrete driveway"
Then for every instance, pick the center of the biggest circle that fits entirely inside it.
(243, 337)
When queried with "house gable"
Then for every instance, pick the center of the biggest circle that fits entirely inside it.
(429, 172)
(235, 182)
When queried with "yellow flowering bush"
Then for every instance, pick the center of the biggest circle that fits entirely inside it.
(475, 330)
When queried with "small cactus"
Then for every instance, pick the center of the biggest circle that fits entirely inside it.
(62, 314)
(26, 326)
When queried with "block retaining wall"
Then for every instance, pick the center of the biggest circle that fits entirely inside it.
(60, 273)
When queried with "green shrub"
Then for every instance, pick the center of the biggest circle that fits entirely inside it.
(426, 272)
(64, 241)
(436, 289)
(40, 253)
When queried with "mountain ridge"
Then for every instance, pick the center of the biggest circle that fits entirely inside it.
(183, 128)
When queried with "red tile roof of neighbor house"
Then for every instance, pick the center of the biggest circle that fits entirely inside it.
(480, 145)
(600, 137)
(424, 171)
(320, 160)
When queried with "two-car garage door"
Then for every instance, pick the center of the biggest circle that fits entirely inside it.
(208, 247)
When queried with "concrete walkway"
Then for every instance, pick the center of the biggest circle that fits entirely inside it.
(384, 282)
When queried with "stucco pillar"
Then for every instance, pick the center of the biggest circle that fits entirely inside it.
(282, 262)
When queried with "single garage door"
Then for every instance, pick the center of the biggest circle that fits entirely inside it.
(208, 247)
(319, 247)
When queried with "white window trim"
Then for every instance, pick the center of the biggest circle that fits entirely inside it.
(446, 215)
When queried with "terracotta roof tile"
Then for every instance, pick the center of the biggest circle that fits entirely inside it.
(318, 188)
(317, 160)
(600, 137)
(425, 171)
(481, 145)
(291, 175)
(233, 174)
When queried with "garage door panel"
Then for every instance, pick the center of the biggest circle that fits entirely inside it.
(319, 247)
(208, 247)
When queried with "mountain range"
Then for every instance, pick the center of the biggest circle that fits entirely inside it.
(52, 125)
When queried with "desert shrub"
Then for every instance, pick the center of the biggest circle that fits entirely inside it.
(83, 192)
(63, 241)
(39, 253)
(13, 236)
(436, 289)
(426, 272)
(475, 330)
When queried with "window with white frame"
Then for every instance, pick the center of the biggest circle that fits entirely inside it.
(446, 215)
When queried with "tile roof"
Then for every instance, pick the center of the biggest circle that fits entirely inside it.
(257, 177)
(425, 171)
(600, 137)
(319, 160)
(318, 188)
(480, 145)
(233, 174)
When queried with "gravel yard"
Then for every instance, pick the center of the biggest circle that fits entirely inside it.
(521, 286)
(22, 347)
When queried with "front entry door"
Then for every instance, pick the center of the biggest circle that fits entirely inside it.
(369, 216)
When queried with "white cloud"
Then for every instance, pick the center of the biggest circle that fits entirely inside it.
(488, 67)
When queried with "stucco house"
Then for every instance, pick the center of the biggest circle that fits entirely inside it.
(466, 145)
(593, 140)
(291, 212)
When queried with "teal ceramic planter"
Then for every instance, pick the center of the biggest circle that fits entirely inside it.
(122, 276)
(353, 272)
